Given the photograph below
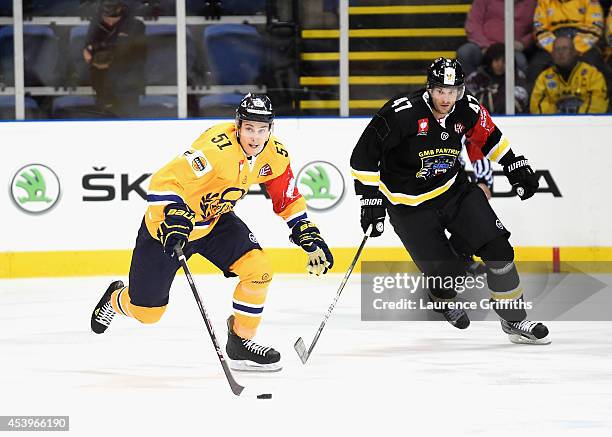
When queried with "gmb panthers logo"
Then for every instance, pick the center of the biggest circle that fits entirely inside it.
(435, 166)
(214, 204)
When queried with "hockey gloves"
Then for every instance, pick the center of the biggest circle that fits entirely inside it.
(176, 227)
(522, 178)
(306, 235)
(373, 214)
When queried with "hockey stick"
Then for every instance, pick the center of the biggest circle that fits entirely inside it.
(237, 389)
(299, 345)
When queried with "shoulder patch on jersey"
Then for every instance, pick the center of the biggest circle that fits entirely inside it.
(266, 170)
(198, 162)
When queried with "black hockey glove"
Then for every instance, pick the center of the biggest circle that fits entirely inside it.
(176, 227)
(522, 178)
(306, 235)
(373, 213)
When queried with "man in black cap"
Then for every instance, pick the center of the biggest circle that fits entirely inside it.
(115, 49)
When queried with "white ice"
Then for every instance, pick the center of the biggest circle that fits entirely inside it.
(364, 378)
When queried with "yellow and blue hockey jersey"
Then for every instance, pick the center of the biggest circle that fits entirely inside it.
(585, 90)
(585, 16)
(214, 174)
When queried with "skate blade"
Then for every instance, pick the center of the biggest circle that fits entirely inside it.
(519, 339)
(251, 366)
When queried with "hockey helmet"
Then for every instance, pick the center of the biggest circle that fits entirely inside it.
(446, 73)
(255, 107)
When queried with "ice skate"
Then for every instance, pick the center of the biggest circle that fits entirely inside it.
(248, 356)
(103, 313)
(526, 332)
(457, 317)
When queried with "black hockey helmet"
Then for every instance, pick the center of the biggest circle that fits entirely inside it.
(255, 107)
(446, 73)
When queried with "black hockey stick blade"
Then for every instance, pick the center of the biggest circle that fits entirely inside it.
(300, 348)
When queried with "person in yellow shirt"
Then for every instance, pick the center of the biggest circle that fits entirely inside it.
(580, 20)
(569, 86)
(191, 202)
(608, 53)
(609, 28)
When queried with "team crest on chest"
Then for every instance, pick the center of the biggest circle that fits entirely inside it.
(436, 162)
(459, 128)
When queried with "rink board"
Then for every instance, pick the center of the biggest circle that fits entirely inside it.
(103, 169)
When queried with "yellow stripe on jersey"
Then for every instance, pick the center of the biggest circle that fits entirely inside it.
(366, 177)
(414, 200)
(499, 150)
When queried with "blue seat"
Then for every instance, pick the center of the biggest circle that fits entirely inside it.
(40, 55)
(6, 8)
(72, 107)
(77, 42)
(219, 105)
(7, 108)
(161, 55)
(49, 8)
(235, 53)
(158, 106)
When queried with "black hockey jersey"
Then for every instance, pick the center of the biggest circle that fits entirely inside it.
(410, 157)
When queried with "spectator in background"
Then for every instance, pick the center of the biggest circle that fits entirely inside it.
(580, 20)
(570, 86)
(115, 49)
(485, 26)
(488, 83)
(609, 39)
(609, 28)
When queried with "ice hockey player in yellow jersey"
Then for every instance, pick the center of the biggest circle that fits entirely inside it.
(191, 203)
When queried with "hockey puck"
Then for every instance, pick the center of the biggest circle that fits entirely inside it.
(265, 396)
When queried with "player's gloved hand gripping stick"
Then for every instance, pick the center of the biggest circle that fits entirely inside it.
(176, 227)
(522, 178)
(299, 346)
(373, 214)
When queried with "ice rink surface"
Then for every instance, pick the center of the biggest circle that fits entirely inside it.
(364, 378)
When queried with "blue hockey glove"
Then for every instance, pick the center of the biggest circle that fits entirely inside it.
(176, 227)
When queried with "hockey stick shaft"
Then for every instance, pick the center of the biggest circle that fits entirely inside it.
(236, 388)
(342, 284)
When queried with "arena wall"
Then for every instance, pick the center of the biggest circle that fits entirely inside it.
(103, 169)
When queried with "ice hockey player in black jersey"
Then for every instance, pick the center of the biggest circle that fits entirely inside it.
(406, 163)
